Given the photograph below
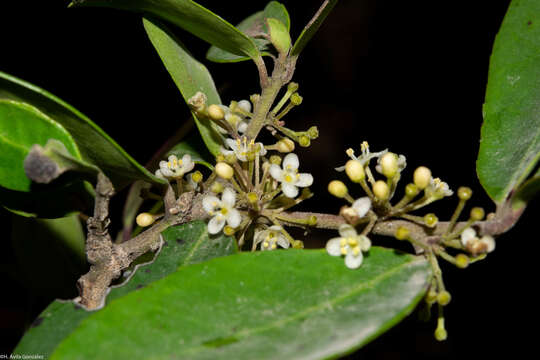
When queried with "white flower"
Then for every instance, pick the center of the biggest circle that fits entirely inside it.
(349, 244)
(470, 241)
(236, 118)
(401, 164)
(222, 211)
(365, 157)
(438, 189)
(362, 206)
(289, 177)
(175, 168)
(271, 238)
(243, 149)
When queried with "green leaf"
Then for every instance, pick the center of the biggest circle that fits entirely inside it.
(510, 138)
(194, 147)
(190, 16)
(265, 305)
(312, 27)
(183, 245)
(189, 75)
(527, 191)
(94, 145)
(22, 126)
(253, 26)
(49, 254)
(279, 35)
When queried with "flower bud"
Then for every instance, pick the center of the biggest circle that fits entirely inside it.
(422, 176)
(296, 99)
(464, 193)
(285, 145)
(431, 296)
(197, 176)
(292, 87)
(313, 132)
(304, 141)
(462, 261)
(298, 244)
(337, 188)
(411, 190)
(440, 332)
(477, 213)
(381, 190)
(431, 220)
(355, 171)
(443, 298)
(402, 233)
(254, 98)
(224, 171)
(389, 164)
(217, 187)
(145, 219)
(215, 112)
(312, 220)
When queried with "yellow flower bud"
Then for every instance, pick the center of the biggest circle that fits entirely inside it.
(381, 190)
(477, 213)
(440, 332)
(312, 221)
(444, 297)
(292, 87)
(217, 187)
(215, 112)
(389, 164)
(197, 176)
(464, 193)
(402, 233)
(462, 261)
(431, 220)
(296, 99)
(422, 176)
(285, 145)
(337, 188)
(411, 190)
(355, 171)
(304, 141)
(224, 170)
(145, 219)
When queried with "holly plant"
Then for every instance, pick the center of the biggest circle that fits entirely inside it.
(207, 264)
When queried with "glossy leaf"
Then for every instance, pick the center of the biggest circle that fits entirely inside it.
(266, 305)
(510, 138)
(49, 254)
(279, 35)
(22, 126)
(190, 16)
(94, 145)
(312, 27)
(183, 245)
(253, 26)
(189, 75)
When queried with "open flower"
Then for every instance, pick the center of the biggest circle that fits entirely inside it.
(243, 149)
(365, 157)
(222, 211)
(475, 245)
(175, 168)
(438, 189)
(289, 177)
(349, 244)
(361, 206)
(271, 238)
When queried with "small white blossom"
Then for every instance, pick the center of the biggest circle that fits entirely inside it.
(470, 241)
(365, 157)
(401, 164)
(243, 149)
(438, 189)
(362, 206)
(222, 211)
(175, 168)
(271, 238)
(289, 177)
(237, 119)
(349, 244)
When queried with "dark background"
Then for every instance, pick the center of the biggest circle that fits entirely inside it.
(404, 75)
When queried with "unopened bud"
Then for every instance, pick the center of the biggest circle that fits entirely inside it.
(297, 244)
(462, 261)
(443, 298)
(402, 233)
(431, 219)
(285, 145)
(421, 177)
(145, 219)
(197, 176)
(431, 296)
(292, 87)
(464, 193)
(337, 188)
(477, 213)
(224, 171)
(217, 187)
(304, 141)
(313, 132)
(411, 190)
(389, 164)
(355, 171)
(381, 190)
(440, 332)
(215, 112)
(312, 220)
(254, 98)
(296, 99)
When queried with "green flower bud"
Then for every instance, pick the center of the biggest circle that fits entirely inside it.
(292, 87)
(285, 145)
(197, 176)
(298, 244)
(477, 213)
(431, 220)
(296, 99)
(462, 261)
(411, 190)
(312, 221)
(464, 193)
(217, 187)
(313, 132)
(443, 298)
(402, 233)
(304, 141)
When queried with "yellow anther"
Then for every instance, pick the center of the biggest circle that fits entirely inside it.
(224, 211)
(274, 246)
(364, 146)
(288, 178)
(352, 241)
(342, 242)
(343, 251)
(265, 244)
(356, 250)
(349, 152)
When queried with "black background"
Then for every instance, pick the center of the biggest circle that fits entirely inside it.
(405, 75)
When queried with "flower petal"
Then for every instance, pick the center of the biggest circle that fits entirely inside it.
(289, 190)
(333, 246)
(216, 224)
(259, 236)
(291, 162)
(283, 242)
(346, 230)
(489, 241)
(362, 206)
(209, 203)
(232, 144)
(159, 174)
(242, 127)
(244, 105)
(365, 243)
(467, 235)
(276, 172)
(304, 180)
(353, 261)
(172, 158)
(234, 218)
(228, 197)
